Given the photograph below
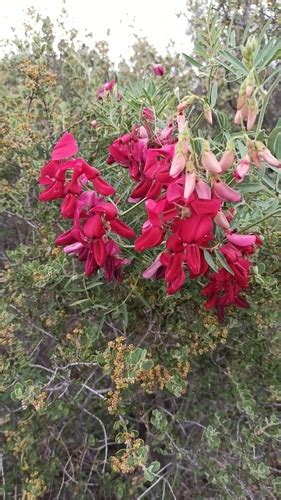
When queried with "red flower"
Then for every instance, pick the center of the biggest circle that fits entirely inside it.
(224, 287)
(130, 152)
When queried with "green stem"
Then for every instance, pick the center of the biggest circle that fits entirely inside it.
(260, 220)
(197, 121)
(132, 208)
(264, 106)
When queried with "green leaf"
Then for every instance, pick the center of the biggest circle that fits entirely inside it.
(234, 62)
(274, 142)
(250, 187)
(176, 385)
(214, 94)
(147, 364)
(142, 454)
(148, 475)
(136, 356)
(154, 466)
(222, 120)
(159, 420)
(149, 472)
(192, 61)
(223, 262)
(268, 54)
(210, 260)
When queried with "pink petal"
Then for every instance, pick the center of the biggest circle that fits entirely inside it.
(241, 240)
(225, 193)
(203, 190)
(189, 185)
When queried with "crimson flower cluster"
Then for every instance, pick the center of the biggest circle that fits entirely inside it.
(189, 204)
(187, 198)
(82, 191)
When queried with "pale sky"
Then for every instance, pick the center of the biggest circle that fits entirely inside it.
(156, 19)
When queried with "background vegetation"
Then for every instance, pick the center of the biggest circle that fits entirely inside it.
(116, 390)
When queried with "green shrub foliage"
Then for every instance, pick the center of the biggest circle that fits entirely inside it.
(115, 390)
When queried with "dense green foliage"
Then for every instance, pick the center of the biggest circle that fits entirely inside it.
(116, 390)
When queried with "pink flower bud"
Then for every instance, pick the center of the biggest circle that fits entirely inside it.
(253, 149)
(148, 114)
(94, 123)
(151, 271)
(203, 190)
(142, 132)
(227, 159)
(242, 169)
(167, 131)
(181, 107)
(189, 185)
(73, 248)
(178, 164)
(266, 155)
(241, 101)
(238, 118)
(222, 191)
(208, 115)
(158, 69)
(221, 220)
(252, 115)
(181, 122)
(210, 162)
(249, 90)
(241, 240)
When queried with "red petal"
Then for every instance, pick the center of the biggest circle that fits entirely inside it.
(108, 209)
(53, 192)
(68, 206)
(193, 259)
(119, 227)
(68, 237)
(66, 147)
(99, 252)
(103, 187)
(155, 190)
(174, 267)
(177, 283)
(91, 265)
(206, 207)
(93, 228)
(141, 189)
(149, 239)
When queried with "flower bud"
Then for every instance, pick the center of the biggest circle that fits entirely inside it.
(252, 112)
(266, 155)
(189, 185)
(221, 220)
(224, 192)
(158, 69)
(203, 190)
(242, 169)
(181, 122)
(209, 160)
(208, 114)
(228, 157)
(148, 114)
(178, 164)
